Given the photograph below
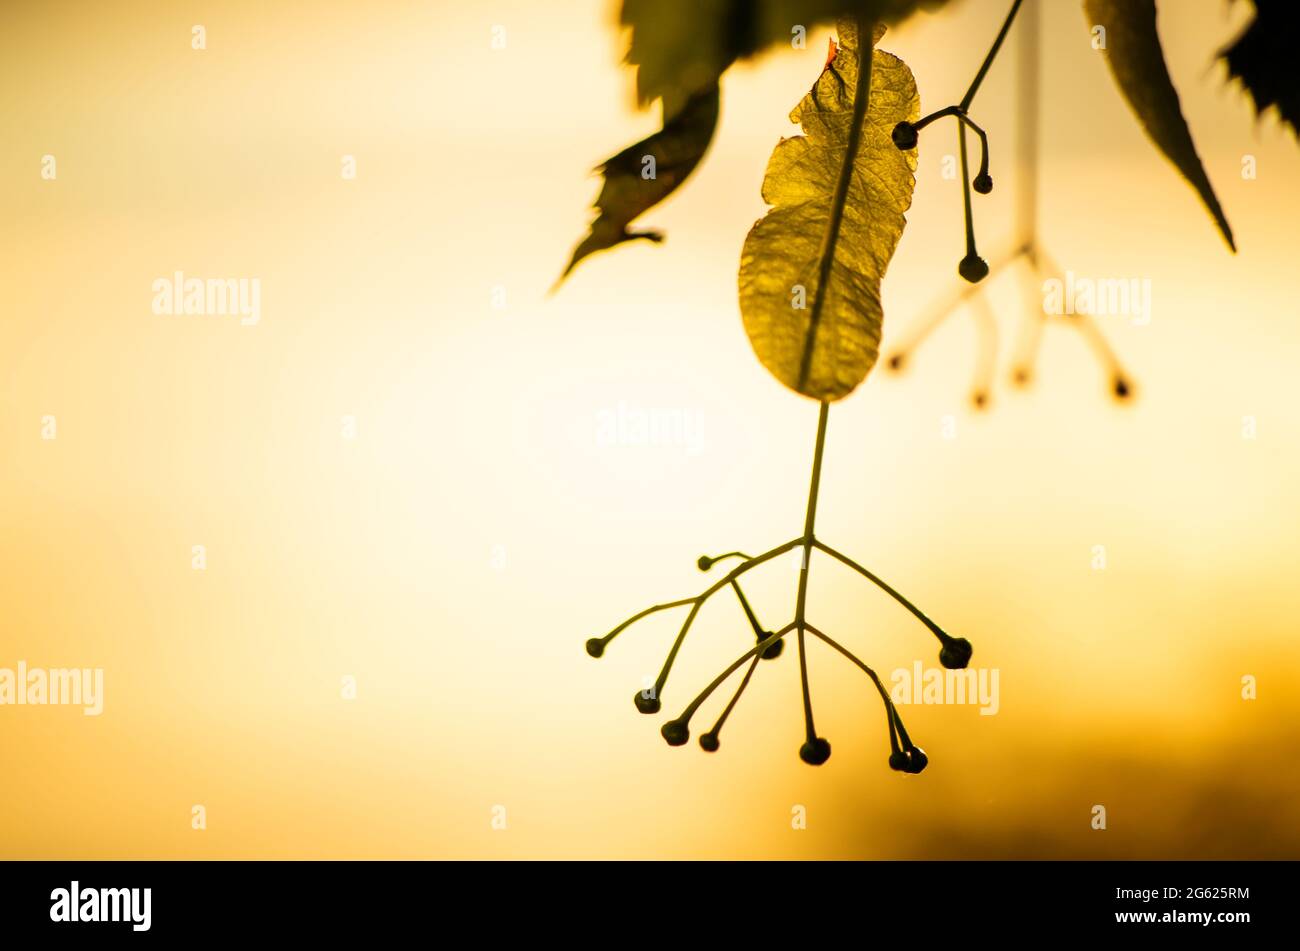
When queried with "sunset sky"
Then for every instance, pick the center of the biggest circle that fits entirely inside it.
(404, 472)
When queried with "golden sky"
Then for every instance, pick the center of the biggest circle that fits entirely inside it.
(398, 473)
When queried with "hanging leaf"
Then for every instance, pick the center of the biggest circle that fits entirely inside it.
(680, 49)
(810, 270)
(1137, 62)
(644, 174)
(1263, 58)
(680, 46)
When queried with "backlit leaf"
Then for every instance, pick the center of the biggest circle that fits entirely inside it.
(1137, 62)
(811, 268)
(644, 174)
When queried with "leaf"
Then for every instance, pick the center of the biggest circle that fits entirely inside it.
(1137, 62)
(680, 46)
(680, 49)
(633, 184)
(838, 195)
(1263, 58)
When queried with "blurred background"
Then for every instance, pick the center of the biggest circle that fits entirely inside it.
(453, 546)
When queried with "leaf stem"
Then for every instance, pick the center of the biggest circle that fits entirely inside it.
(992, 55)
(810, 518)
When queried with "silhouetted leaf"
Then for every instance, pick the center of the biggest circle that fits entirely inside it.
(1264, 59)
(1137, 62)
(811, 269)
(679, 46)
(644, 174)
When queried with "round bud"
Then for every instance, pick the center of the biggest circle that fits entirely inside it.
(1122, 389)
(956, 653)
(773, 651)
(676, 732)
(705, 563)
(980, 399)
(904, 136)
(973, 268)
(709, 742)
(983, 183)
(1022, 376)
(644, 703)
(896, 361)
(917, 760)
(898, 761)
(815, 752)
(595, 647)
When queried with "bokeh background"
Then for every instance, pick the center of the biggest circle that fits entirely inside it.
(454, 556)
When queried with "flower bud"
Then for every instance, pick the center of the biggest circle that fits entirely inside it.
(956, 653)
(676, 732)
(815, 752)
(904, 136)
(973, 268)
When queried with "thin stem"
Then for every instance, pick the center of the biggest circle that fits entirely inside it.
(700, 599)
(722, 718)
(717, 681)
(636, 617)
(965, 190)
(942, 310)
(902, 730)
(988, 60)
(938, 632)
(861, 97)
(810, 518)
(984, 144)
(890, 713)
(1026, 204)
(1087, 326)
(714, 559)
(749, 612)
(809, 728)
(961, 117)
(985, 365)
(920, 124)
(1026, 352)
(810, 515)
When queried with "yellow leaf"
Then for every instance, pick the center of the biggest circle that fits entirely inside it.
(811, 268)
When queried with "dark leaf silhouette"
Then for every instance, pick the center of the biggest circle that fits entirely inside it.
(680, 46)
(811, 269)
(1137, 62)
(644, 174)
(1263, 58)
